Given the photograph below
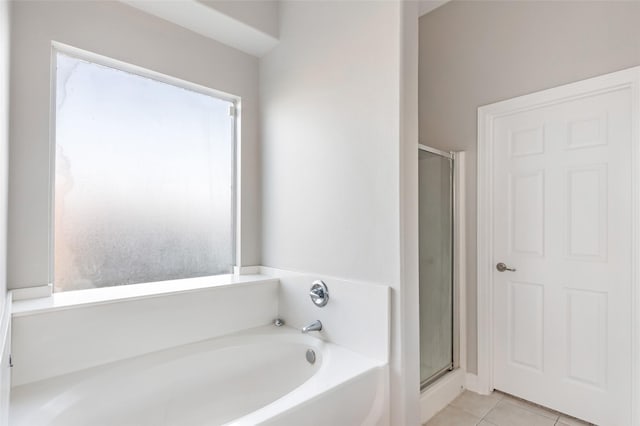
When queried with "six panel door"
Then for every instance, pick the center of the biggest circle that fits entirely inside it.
(562, 219)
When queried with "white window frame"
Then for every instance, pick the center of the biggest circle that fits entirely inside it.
(98, 59)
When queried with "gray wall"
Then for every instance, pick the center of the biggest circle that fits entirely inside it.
(474, 53)
(5, 339)
(4, 147)
(121, 32)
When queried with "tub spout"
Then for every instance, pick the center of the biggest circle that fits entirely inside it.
(314, 326)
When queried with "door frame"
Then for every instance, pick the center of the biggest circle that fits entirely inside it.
(629, 78)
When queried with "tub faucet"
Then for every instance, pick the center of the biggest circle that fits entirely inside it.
(314, 326)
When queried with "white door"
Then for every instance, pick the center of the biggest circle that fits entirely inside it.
(562, 210)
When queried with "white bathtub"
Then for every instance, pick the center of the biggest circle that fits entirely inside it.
(259, 376)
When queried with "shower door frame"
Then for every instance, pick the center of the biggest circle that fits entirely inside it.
(458, 265)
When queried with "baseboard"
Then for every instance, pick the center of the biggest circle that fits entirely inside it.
(472, 383)
(32, 292)
(438, 395)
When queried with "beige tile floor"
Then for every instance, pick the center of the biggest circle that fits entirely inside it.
(498, 409)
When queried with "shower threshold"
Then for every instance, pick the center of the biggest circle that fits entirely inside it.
(435, 376)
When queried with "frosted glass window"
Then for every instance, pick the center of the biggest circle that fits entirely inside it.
(143, 179)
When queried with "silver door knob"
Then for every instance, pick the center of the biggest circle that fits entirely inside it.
(502, 267)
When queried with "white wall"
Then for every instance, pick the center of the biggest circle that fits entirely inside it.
(250, 26)
(124, 33)
(407, 343)
(474, 53)
(260, 14)
(329, 107)
(331, 98)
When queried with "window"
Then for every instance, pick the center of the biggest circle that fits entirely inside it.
(143, 178)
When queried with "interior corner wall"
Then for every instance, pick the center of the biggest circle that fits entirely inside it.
(475, 53)
(330, 107)
(121, 32)
(4, 145)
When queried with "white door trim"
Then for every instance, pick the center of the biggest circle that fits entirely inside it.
(459, 260)
(629, 78)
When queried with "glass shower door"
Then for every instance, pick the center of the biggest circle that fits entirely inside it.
(436, 265)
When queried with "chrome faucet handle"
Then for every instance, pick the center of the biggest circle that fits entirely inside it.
(319, 293)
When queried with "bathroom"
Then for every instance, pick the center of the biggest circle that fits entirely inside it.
(348, 263)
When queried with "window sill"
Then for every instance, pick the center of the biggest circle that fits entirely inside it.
(98, 296)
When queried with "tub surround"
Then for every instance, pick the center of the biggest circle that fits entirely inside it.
(356, 317)
(69, 340)
(97, 296)
(51, 338)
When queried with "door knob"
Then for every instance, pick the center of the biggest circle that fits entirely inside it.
(502, 267)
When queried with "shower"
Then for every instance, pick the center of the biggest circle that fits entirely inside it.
(436, 283)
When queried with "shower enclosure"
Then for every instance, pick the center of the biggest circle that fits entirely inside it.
(436, 263)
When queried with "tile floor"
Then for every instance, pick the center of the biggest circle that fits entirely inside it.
(498, 409)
